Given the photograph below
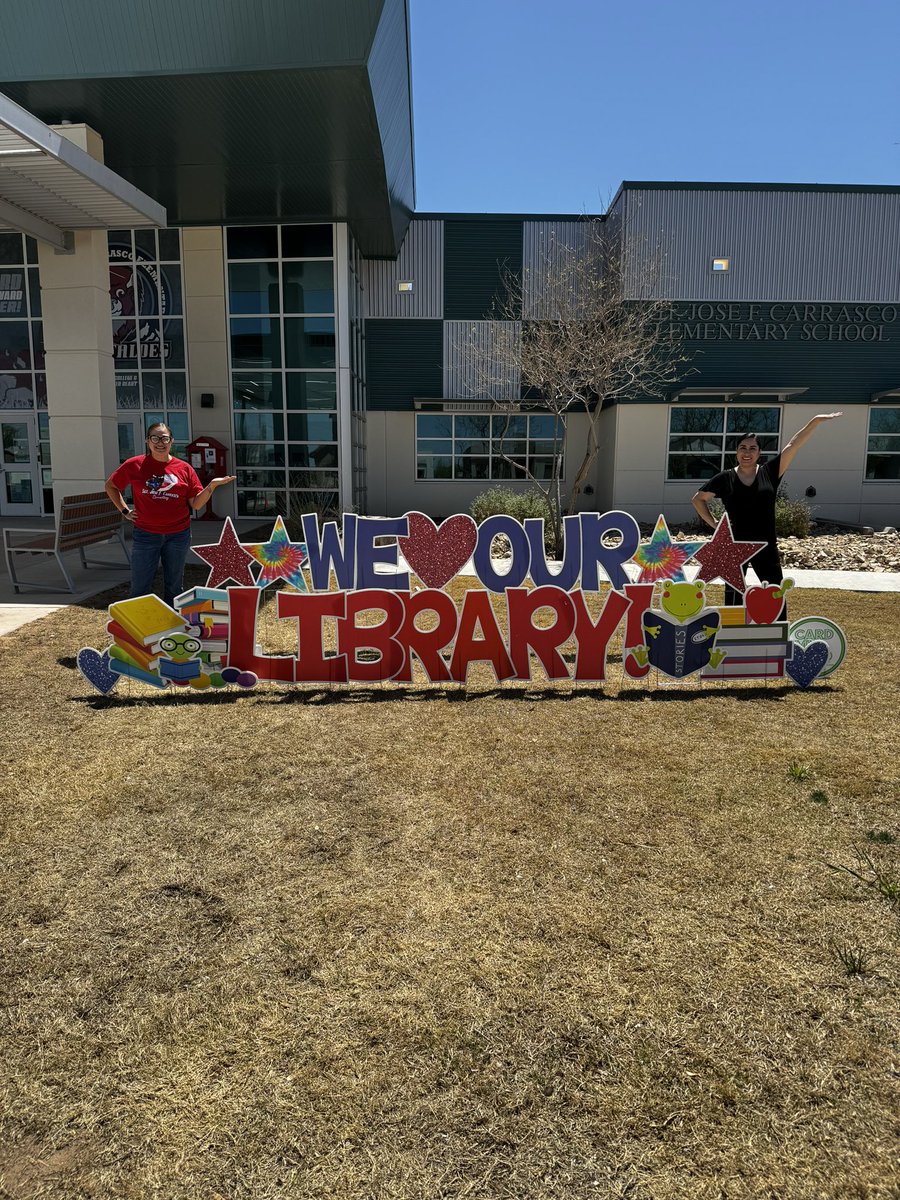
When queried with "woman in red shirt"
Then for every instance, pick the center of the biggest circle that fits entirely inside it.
(164, 489)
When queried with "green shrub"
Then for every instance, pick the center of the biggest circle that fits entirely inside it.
(716, 508)
(510, 503)
(793, 518)
(497, 500)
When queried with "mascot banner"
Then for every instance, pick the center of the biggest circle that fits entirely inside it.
(368, 600)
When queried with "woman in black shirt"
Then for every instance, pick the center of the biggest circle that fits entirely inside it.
(748, 493)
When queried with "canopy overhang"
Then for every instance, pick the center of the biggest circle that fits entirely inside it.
(50, 187)
(731, 393)
(233, 112)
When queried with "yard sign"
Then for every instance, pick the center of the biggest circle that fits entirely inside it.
(398, 569)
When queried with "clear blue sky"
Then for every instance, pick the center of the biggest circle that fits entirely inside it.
(547, 105)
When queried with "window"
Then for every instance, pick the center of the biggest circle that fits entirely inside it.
(284, 382)
(45, 460)
(23, 384)
(702, 441)
(487, 446)
(883, 449)
(147, 308)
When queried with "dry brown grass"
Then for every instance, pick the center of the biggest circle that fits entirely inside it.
(405, 943)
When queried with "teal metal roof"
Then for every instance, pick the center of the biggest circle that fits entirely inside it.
(694, 186)
(233, 111)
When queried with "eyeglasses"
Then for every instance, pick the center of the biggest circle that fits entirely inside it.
(188, 645)
(159, 437)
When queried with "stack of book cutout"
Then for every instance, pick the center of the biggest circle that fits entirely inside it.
(137, 627)
(753, 651)
(206, 609)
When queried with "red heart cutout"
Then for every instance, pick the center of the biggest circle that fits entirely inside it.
(762, 605)
(437, 553)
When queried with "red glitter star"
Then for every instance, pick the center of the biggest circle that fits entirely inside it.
(228, 559)
(722, 557)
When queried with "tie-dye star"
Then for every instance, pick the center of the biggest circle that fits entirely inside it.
(662, 558)
(280, 558)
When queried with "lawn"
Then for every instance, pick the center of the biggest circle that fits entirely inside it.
(524, 942)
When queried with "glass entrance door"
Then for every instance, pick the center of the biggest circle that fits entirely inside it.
(20, 486)
(131, 438)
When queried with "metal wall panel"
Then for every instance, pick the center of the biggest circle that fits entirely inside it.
(783, 245)
(542, 242)
(421, 259)
(469, 342)
(403, 363)
(478, 253)
(836, 374)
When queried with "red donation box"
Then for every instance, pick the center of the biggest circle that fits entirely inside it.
(209, 458)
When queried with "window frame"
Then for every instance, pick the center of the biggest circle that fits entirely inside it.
(873, 409)
(457, 456)
(170, 379)
(284, 372)
(32, 318)
(724, 406)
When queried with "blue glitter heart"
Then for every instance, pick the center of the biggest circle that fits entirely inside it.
(95, 668)
(805, 665)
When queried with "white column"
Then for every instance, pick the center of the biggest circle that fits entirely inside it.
(206, 335)
(81, 392)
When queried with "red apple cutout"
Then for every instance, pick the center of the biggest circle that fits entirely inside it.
(763, 604)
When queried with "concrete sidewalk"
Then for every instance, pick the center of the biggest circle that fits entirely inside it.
(847, 581)
(18, 608)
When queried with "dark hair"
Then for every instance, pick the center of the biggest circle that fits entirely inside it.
(747, 437)
(159, 425)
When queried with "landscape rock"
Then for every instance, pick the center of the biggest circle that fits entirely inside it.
(827, 548)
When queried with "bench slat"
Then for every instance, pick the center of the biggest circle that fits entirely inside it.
(83, 520)
(87, 498)
(87, 523)
(47, 542)
(88, 512)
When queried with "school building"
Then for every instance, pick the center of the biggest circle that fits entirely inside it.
(207, 217)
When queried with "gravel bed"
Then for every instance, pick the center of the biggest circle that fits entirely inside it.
(827, 548)
(831, 548)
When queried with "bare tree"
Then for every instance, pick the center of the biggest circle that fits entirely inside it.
(586, 325)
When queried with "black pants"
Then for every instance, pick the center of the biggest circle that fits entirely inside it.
(767, 566)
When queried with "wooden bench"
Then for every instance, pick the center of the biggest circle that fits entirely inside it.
(83, 520)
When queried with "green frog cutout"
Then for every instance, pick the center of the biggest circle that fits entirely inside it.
(679, 636)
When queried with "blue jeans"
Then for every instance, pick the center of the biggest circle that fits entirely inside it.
(148, 550)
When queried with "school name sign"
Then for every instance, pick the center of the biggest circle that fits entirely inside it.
(733, 321)
(367, 599)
